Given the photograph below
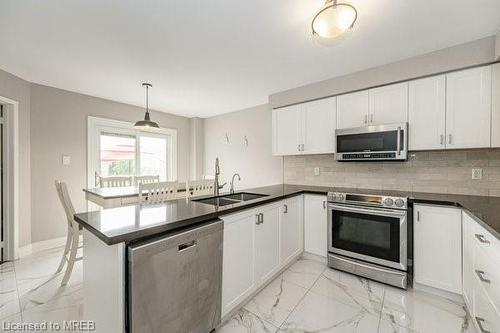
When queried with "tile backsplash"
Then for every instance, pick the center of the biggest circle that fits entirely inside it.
(426, 171)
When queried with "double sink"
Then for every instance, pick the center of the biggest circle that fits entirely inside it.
(230, 199)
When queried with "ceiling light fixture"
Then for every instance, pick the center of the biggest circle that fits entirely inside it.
(146, 124)
(334, 19)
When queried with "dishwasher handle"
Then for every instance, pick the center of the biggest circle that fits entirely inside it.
(187, 246)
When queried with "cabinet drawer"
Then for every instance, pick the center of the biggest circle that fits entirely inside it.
(485, 316)
(487, 271)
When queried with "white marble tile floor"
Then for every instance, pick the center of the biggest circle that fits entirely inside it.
(307, 298)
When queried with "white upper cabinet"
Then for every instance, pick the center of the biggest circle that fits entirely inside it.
(495, 107)
(308, 128)
(468, 108)
(286, 131)
(437, 233)
(352, 109)
(319, 123)
(427, 113)
(388, 104)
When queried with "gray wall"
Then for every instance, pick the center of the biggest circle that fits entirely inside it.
(476, 52)
(255, 164)
(17, 89)
(432, 171)
(60, 127)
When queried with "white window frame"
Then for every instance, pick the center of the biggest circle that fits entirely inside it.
(97, 125)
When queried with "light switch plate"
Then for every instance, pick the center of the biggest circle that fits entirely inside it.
(316, 171)
(66, 160)
(477, 173)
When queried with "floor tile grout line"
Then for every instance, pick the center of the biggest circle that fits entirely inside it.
(302, 298)
(381, 311)
(17, 291)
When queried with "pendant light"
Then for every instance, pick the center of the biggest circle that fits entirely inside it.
(334, 19)
(146, 124)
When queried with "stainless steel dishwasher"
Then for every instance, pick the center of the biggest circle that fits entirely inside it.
(175, 282)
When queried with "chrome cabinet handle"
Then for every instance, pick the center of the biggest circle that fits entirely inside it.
(285, 209)
(298, 147)
(418, 216)
(261, 218)
(371, 118)
(480, 275)
(449, 139)
(324, 204)
(482, 239)
(441, 139)
(479, 322)
(257, 217)
(366, 118)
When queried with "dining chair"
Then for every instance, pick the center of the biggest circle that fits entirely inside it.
(73, 234)
(199, 187)
(146, 180)
(158, 192)
(115, 181)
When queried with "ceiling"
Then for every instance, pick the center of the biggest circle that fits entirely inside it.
(211, 57)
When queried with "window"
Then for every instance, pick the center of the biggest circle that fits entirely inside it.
(115, 148)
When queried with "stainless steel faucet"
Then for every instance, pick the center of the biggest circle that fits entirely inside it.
(216, 179)
(232, 182)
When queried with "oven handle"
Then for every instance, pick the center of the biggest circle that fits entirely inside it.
(373, 211)
(398, 140)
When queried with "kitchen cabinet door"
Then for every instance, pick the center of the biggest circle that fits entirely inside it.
(389, 104)
(287, 130)
(495, 107)
(267, 239)
(319, 123)
(468, 108)
(238, 259)
(438, 247)
(315, 225)
(291, 229)
(427, 113)
(468, 259)
(352, 109)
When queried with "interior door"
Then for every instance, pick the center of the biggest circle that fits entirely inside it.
(468, 108)
(352, 109)
(286, 131)
(427, 113)
(319, 126)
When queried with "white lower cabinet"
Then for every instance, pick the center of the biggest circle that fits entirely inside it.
(258, 243)
(315, 225)
(481, 273)
(291, 229)
(238, 264)
(267, 258)
(438, 247)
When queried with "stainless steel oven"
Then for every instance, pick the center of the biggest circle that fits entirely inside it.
(372, 143)
(368, 236)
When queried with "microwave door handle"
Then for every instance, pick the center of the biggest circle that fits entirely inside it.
(398, 140)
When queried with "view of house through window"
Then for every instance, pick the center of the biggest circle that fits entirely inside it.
(133, 155)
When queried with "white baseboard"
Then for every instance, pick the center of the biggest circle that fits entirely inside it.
(312, 256)
(439, 292)
(40, 246)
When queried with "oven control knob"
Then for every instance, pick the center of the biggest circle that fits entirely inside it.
(333, 197)
(340, 197)
(399, 203)
(388, 202)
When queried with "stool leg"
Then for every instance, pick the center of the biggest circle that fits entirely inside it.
(66, 250)
(72, 256)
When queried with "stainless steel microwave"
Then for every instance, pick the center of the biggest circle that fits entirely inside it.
(372, 143)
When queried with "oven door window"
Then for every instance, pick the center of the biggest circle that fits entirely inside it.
(378, 141)
(370, 235)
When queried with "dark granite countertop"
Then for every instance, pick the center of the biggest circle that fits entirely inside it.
(135, 222)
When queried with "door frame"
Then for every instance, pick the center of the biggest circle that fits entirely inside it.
(11, 185)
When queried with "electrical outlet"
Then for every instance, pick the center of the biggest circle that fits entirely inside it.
(477, 173)
(316, 171)
(66, 160)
